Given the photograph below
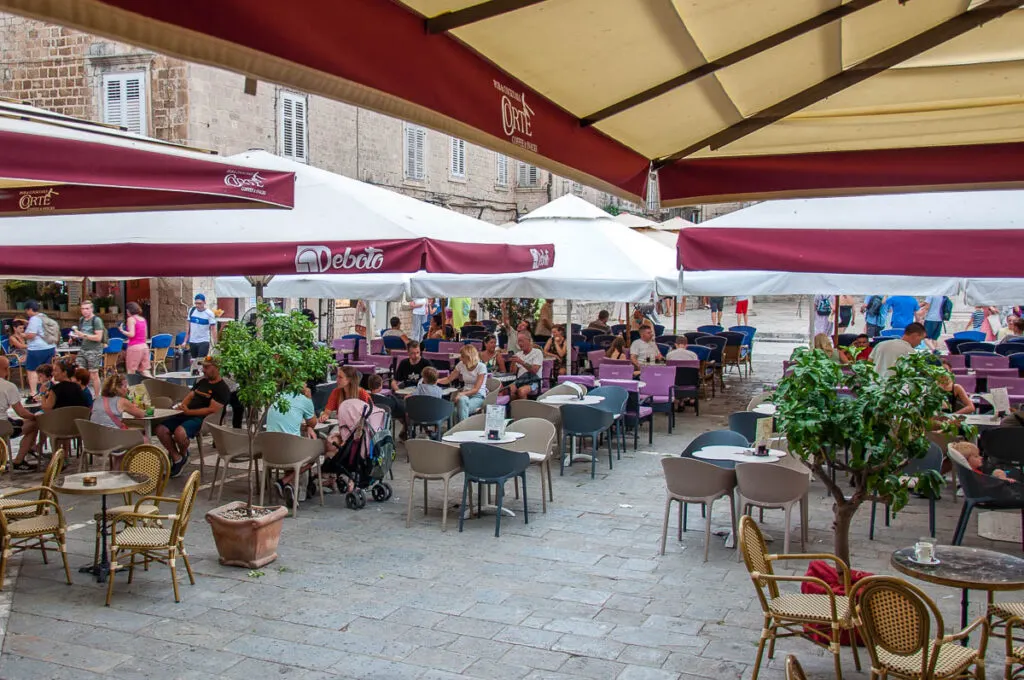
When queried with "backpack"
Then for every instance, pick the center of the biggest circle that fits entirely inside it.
(947, 309)
(51, 330)
(824, 306)
(875, 305)
(102, 328)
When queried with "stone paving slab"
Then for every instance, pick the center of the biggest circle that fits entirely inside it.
(580, 592)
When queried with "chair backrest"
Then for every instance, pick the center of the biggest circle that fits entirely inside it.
(429, 457)
(1014, 385)
(114, 345)
(968, 382)
(151, 461)
(591, 333)
(449, 347)
(979, 359)
(577, 418)
(475, 422)
(666, 340)
(493, 384)
(794, 671)
(54, 468)
(321, 394)
(745, 422)
(98, 438)
(892, 333)
(392, 342)
(179, 338)
(546, 369)
(425, 409)
(703, 353)
(692, 478)
(379, 361)
(1017, 360)
(60, 422)
(526, 408)
(595, 357)
(162, 388)
(610, 371)
(709, 329)
(770, 483)
(754, 550)
(732, 338)
(687, 377)
(604, 341)
(186, 502)
(896, 618)
(430, 344)
(438, 358)
(376, 345)
(956, 360)
(658, 380)
(748, 331)
(489, 462)
(615, 398)
(161, 341)
(618, 328)
(715, 438)
(716, 343)
(845, 339)
(1004, 444)
(966, 347)
(229, 441)
(932, 461)
(557, 390)
(540, 435)
(1008, 348)
(280, 449)
(969, 336)
(114, 333)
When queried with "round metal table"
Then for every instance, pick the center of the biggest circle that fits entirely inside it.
(966, 569)
(106, 483)
(147, 421)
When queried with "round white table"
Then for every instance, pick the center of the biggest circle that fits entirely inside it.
(480, 437)
(183, 377)
(640, 384)
(738, 454)
(767, 409)
(559, 399)
(445, 391)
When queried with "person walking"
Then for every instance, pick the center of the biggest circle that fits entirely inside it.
(40, 351)
(420, 309)
(742, 306)
(874, 315)
(201, 330)
(136, 358)
(90, 331)
(932, 312)
(846, 312)
(822, 314)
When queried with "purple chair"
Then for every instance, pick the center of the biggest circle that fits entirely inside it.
(960, 371)
(637, 409)
(996, 372)
(399, 355)
(659, 389)
(360, 349)
(377, 346)
(983, 361)
(585, 380)
(343, 349)
(956, 360)
(380, 361)
(1013, 385)
(449, 347)
(968, 382)
(546, 369)
(615, 371)
(594, 358)
(438, 358)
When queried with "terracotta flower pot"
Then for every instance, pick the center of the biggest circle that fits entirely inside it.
(247, 542)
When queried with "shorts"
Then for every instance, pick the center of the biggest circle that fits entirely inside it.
(845, 315)
(136, 358)
(191, 424)
(717, 303)
(199, 350)
(38, 357)
(91, 359)
(932, 329)
(741, 306)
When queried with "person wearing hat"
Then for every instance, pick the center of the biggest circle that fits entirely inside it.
(209, 395)
(201, 330)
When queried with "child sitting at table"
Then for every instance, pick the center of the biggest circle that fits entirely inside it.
(427, 385)
(375, 384)
(977, 463)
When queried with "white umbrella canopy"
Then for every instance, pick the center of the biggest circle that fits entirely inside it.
(325, 286)
(598, 258)
(675, 224)
(635, 221)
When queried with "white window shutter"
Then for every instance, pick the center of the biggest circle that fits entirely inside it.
(528, 175)
(458, 157)
(501, 178)
(533, 176)
(124, 101)
(301, 147)
(414, 143)
(293, 127)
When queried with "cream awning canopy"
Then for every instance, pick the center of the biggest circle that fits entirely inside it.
(729, 99)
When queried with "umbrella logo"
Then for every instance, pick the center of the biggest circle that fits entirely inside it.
(541, 258)
(516, 116)
(246, 182)
(320, 259)
(37, 199)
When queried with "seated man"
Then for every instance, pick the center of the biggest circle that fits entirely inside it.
(209, 395)
(300, 420)
(601, 323)
(644, 350)
(396, 331)
(680, 353)
(407, 374)
(528, 362)
(860, 349)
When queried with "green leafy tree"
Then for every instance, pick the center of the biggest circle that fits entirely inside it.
(270, 360)
(858, 446)
(510, 311)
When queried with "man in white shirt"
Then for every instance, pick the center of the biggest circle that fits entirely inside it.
(420, 309)
(39, 350)
(886, 353)
(644, 350)
(201, 330)
(680, 353)
(528, 359)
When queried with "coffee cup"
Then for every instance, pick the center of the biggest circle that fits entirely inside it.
(924, 551)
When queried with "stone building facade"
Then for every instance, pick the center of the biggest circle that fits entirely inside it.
(86, 76)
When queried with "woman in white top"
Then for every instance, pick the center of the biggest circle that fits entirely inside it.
(473, 374)
(109, 408)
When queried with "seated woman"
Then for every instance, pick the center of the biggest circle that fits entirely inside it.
(491, 356)
(473, 374)
(83, 378)
(959, 402)
(65, 391)
(17, 341)
(109, 408)
(617, 350)
(824, 343)
(557, 348)
(436, 329)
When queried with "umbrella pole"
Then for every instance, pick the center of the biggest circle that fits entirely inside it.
(568, 336)
(675, 315)
(835, 325)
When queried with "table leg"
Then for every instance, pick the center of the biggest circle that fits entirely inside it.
(963, 613)
(101, 569)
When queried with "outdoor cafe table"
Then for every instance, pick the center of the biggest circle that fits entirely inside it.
(766, 409)
(966, 569)
(33, 406)
(480, 437)
(560, 399)
(982, 422)
(147, 421)
(183, 377)
(106, 483)
(737, 454)
(445, 391)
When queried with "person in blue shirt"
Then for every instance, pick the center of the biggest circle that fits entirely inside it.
(874, 314)
(300, 420)
(903, 308)
(933, 320)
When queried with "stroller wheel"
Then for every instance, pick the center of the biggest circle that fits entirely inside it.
(351, 502)
(387, 490)
(378, 493)
(360, 499)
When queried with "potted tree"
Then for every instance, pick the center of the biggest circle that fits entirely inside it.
(858, 445)
(269, 360)
(19, 292)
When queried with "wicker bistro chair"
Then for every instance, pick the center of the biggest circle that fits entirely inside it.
(895, 620)
(14, 507)
(431, 461)
(154, 543)
(694, 481)
(794, 671)
(100, 440)
(791, 612)
(151, 461)
(44, 523)
(1014, 652)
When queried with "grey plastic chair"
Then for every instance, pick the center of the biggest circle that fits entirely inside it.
(162, 388)
(289, 452)
(586, 421)
(770, 486)
(232, 447)
(432, 461)
(471, 423)
(931, 461)
(745, 422)
(100, 440)
(488, 464)
(615, 399)
(539, 443)
(694, 481)
(556, 390)
(428, 412)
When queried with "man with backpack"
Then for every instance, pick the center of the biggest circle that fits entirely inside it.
(42, 345)
(91, 332)
(874, 316)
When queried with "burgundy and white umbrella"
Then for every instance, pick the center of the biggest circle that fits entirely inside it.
(338, 226)
(53, 164)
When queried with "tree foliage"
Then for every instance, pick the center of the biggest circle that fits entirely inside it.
(858, 445)
(511, 311)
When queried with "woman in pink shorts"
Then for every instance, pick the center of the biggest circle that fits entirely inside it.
(136, 357)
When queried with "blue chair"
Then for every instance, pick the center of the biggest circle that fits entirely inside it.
(663, 348)
(709, 329)
(932, 460)
(489, 464)
(1015, 340)
(591, 333)
(351, 336)
(428, 412)
(892, 333)
(603, 341)
(659, 329)
(1017, 361)
(1008, 348)
(969, 336)
(615, 398)
(691, 336)
(988, 347)
(65, 334)
(666, 340)
(586, 421)
(114, 333)
(716, 438)
(703, 353)
(618, 329)
(745, 423)
(161, 348)
(953, 344)
(114, 346)
(634, 336)
(393, 342)
(489, 324)
(428, 345)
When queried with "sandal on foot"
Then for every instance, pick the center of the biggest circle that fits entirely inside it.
(24, 467)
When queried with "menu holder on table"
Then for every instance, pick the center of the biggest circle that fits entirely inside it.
(494, 422)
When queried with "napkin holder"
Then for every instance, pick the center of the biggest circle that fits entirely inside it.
(577, 389)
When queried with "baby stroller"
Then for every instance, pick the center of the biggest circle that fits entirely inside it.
(366, 451)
